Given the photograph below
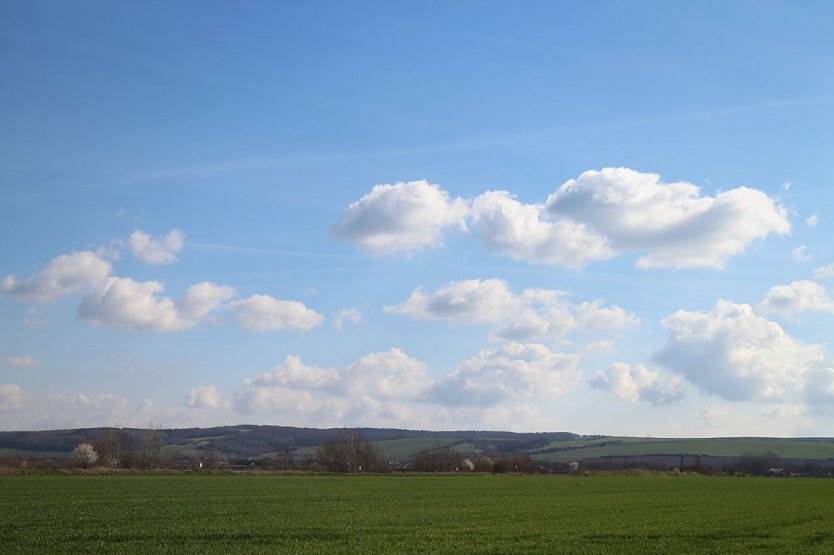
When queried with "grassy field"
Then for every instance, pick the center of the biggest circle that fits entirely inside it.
(803, 448)
(453, 514)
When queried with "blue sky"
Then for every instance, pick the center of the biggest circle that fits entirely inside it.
(593, 217)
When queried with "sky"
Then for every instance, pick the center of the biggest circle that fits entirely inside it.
(596, 217)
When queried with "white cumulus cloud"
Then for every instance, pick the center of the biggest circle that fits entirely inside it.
(162, 250)
(472, 301)
(63, 275)
(639, 384)
(732, 352)
(293, 374)
(387, 375)
(812, 220)
(263, 313)
(205, 397)
(202, 298)
(131, 306)
(512, 371)
(523, 232)
(678, 226)
(403, 217)
(797, 297)
(532, 314)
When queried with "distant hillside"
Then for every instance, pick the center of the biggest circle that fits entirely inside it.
(255, 443)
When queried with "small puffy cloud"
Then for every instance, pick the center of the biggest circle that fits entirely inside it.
(473, 301)
(800, 254)
(64, 275)
(205, 397)
(797, 297)
(131, 306)
(812, 220)
(824, 272)
(11, 397)
(403, 217)
(786, 185)
(639, 384)
(512, 371)
(388, 375)
(161, 250)
(263, 313)
(731, 352)
(678, 226)
(523, 232)
(593, 316)
(348, 315)
(293, 374)
(202, 298)
(276, 400)
(532, 314)
(22, 362)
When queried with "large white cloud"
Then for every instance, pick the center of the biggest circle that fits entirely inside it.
(131, 305)
(797, 297)
(639, 384)
(512, 371)
(523, 232)
(593, 217)
(400, 217)
(678, 226)
(162, 250)
(63, 275)
(387, 375)
(534, 313)
(382, 380)
(732, 352)
(263, 313)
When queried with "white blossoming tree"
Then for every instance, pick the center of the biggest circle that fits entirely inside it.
(85, 455)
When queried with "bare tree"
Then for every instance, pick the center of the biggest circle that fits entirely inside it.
(211, 454)
(350, 452)
(110, 445)
(152, 440)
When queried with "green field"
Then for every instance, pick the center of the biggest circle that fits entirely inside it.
(801, 448)
(452, 514)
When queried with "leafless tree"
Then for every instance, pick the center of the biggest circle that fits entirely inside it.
(110, 445)
(152, 439)
(211, 454)
(350, 452)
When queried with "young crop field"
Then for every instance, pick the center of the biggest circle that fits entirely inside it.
(801, 448)
(453, 514)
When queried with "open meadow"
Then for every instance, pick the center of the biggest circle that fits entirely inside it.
(415, 513)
